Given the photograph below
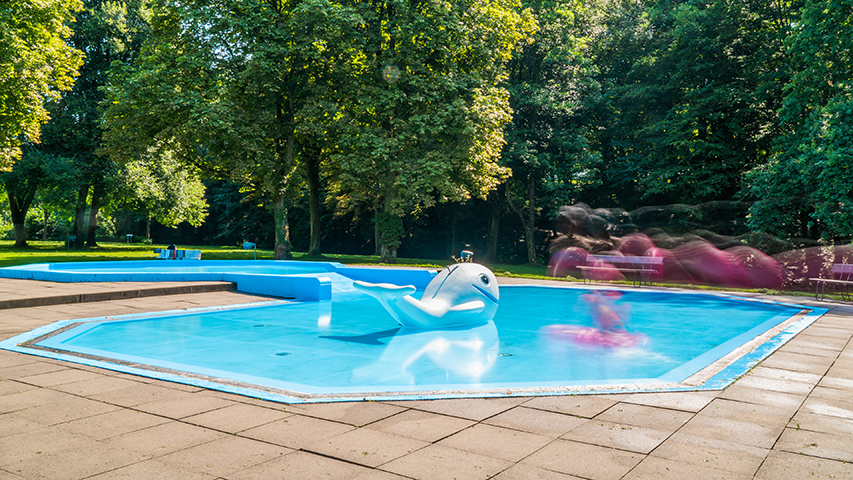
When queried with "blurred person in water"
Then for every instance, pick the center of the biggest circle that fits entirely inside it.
(606, 315)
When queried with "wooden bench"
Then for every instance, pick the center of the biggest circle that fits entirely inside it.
(640, 268)
(843, 279)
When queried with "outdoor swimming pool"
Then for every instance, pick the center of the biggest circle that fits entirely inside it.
(349, 347)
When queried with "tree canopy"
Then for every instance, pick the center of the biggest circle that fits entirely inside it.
(36, 64)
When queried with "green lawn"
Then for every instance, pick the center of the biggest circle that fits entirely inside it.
(53, 252)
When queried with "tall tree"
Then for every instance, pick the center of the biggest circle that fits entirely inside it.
(163, 189)
(33, 172)
(424, 122)
(806, 188)
(550, 80)
(697, 106)
(231, 84)
(106, 31)
(36, 64)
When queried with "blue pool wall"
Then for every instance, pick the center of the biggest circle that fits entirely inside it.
(316, 285)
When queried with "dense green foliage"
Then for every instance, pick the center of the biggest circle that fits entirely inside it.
(427, 127)
(36, 63)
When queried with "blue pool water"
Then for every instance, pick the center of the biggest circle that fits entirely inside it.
(349, 346)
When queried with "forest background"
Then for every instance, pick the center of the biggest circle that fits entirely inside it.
(422, 127)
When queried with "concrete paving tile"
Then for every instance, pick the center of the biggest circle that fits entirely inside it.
(182, 404)
(521, 471)
(829, 330)
(221, 458)
(775, 385)
(477, 409)
(748, 412)
(6, 475)
(12, 423)
(664, 419)
(21, 371)
(717, 454)
(100, 386)
(354, 413)
(11, 359)
(33, 444)
(111, 424)
(540, 422)
(655, 468)
(810, 350)
(420, 425)
(65, 409)
(798, 362)
(686, 401)
(377, 475)
(831, 408)
(816, 444)
(237, 417)
(134, 393)
(31, 399)
(731, 430)
(300, 465)
(584, 460)
(496, 442)
(808, 339)
(164, 439)
(775, 373)
(366, 446)
(150, 470)
(441, 463)
(805, 420)
(840, 371)
(782, 402)
(297, 431)
(58, 377)
(791, 465)
(81, 460)
(586, 406)
(616, 435)
(10, 387)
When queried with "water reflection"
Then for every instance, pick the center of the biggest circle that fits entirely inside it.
(411, 356)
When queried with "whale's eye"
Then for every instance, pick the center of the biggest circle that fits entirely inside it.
(484, 278)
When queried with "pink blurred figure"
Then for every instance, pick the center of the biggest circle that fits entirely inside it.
(565, 261)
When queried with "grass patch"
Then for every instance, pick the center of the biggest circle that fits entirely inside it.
(56, 252)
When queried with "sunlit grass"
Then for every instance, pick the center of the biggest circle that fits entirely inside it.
(55, 252)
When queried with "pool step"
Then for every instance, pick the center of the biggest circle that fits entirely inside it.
(50, 293)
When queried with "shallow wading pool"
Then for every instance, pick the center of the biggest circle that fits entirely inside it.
(347, 346)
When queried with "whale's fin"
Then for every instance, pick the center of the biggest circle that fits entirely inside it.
(474, 306)
(384, 291)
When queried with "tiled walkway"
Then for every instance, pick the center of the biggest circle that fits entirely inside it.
(791, 417)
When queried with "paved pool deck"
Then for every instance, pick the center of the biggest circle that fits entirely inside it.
(790, 417)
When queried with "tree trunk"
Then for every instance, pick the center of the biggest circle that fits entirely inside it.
(390, 228)
(19, 205)
(80, 215)
(284, 158)
(46, 216)
(529, 227)
(312, 166)
(454, 231)
(97, 193)
(527, 218)
(494, 226)
(283, 248)
(148, 228)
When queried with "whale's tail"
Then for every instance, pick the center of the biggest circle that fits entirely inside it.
(384, 291)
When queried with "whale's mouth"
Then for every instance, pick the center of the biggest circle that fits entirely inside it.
(486, 293)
